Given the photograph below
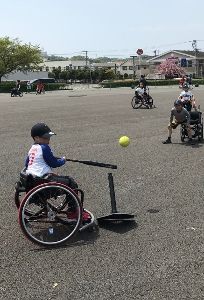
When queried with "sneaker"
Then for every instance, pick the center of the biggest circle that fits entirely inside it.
(86, 217)
(168, 141)
(73, 216)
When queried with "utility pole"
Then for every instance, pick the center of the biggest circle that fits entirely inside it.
(85, 51)
(133, 62)
(86, 67)
(194, 45)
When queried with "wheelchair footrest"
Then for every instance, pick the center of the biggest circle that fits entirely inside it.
(88, 224)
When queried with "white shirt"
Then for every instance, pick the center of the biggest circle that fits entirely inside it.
(139, 90)
(37, 165)
(186, 96)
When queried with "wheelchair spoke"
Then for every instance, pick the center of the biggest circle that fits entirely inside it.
(44, 217)
(136, 103)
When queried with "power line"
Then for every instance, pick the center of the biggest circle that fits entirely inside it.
(125, 51)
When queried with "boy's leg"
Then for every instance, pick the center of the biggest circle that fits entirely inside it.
(67, 180)
(168, 141)
(72, 213)
(189, 131)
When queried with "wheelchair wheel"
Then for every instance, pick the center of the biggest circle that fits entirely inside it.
(151, 101)
(136, 103)
(44, 214)
(200, 135)
(182, 133)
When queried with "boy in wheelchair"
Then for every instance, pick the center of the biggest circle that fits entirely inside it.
(142, 95)
(187, 98)
(39, 164)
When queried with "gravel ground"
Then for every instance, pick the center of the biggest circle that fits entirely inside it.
(161, 255)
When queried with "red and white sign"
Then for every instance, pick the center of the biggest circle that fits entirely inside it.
(139, 51)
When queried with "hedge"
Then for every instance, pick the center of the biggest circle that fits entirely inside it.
(5, 87)
(156, 82)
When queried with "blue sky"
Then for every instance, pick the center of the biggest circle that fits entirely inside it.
(113, 28)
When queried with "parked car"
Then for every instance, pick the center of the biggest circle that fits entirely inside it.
(43, 80)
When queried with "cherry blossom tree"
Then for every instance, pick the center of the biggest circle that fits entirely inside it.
(170, 68)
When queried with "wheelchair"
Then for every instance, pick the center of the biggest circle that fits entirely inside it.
(145, 100)
(15, 92)
(196, 123)
(43, 208)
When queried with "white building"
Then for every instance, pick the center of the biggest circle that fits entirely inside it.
(64, 65)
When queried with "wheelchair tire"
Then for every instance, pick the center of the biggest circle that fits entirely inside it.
(200, 136)
(182, 134)
(43, 214)
(136, 103)
(151, 102)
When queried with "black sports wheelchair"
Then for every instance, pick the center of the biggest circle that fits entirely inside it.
(15, 92)
(142, 100)
(196, 123)
(43, 207)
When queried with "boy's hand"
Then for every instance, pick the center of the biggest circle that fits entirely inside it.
(64, 157)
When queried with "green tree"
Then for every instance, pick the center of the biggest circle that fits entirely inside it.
(109, 74)
(170, 68)
(15, 56)
(78, 57)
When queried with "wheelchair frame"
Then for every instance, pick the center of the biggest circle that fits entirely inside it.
(196, 127)
(42, 211)
(137, 103)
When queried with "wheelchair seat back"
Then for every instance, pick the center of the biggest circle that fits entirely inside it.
(28, 181)
(195, 117)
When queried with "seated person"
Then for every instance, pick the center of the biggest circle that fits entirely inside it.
(187, 98)
(183, 81)
(140, 91)
(179, 115)
(16, 90)
(40, 161)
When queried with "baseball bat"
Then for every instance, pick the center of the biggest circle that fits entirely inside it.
(93, 163)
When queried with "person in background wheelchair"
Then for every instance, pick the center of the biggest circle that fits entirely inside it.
(188, 101)
(179, 116)
(139, 91)
(16, 91)
(142, 95)
(187, 98)
(40, 161)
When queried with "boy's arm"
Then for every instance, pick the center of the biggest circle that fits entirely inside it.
(49, 158)
(26, 161)
(171, 116)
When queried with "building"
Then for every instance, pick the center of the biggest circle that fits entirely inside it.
(134, 68)
(190, 61)
(64, 65)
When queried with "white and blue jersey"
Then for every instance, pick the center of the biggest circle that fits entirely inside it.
(40, 160)
(186, 96)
